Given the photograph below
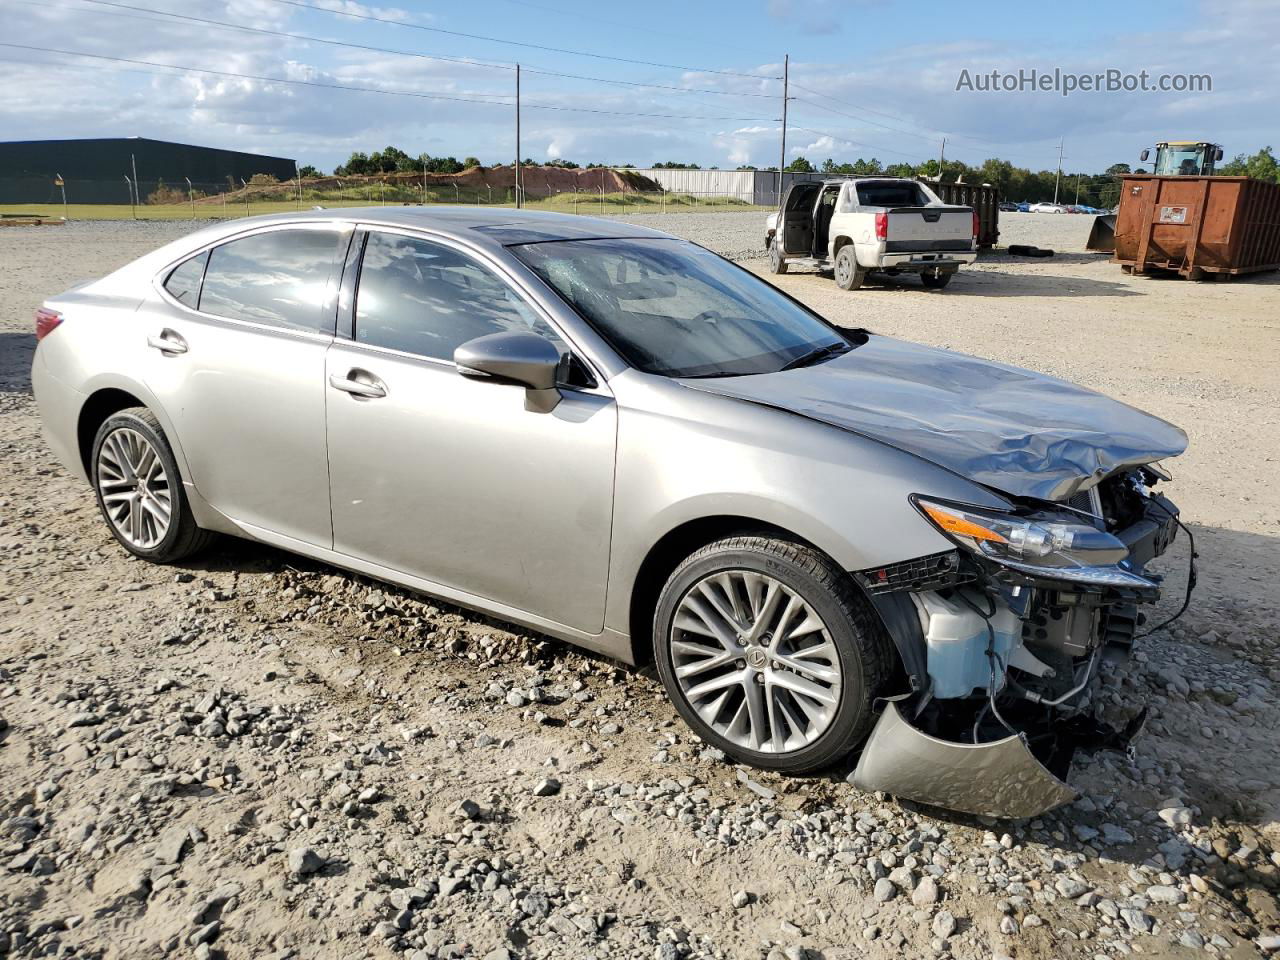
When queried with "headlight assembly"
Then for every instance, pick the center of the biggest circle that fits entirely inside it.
(1050, 547)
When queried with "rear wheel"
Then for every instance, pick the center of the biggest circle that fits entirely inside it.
(139, 490)
(777, 262)
(770, 653)
(935, 279)
(847, 273)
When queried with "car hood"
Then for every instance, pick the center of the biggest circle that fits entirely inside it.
(1019, 432)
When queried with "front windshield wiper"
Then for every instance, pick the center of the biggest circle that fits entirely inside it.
(817, 354)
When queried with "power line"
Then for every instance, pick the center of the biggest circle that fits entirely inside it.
(518, 43)
(471, 62)
(390, 93)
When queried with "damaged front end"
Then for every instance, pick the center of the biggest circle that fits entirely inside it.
(1003, 640)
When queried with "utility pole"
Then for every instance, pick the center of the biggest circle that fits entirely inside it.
(136, 199)
(786, 78)
(1078, 188)
(1058, 176)
(942, 152)
(518, 177)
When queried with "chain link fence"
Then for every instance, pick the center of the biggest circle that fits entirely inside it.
(52, 198)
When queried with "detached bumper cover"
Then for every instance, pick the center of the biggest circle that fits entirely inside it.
(998, 779)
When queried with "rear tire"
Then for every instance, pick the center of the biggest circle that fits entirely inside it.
(814, 682)
(848, 274)
(777, 262)
(139, 490)
(935, 279)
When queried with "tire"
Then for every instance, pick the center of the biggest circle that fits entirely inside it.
(848, 274)
(777, 262)
(935, 279)
(850, 640)
(133, 519)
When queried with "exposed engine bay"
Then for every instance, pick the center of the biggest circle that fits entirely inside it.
(1002, 641)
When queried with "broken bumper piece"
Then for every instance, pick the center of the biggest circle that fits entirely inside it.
(997, 779)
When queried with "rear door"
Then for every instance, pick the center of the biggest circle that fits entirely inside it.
(235, 352)
(454, 480)
(797, 226)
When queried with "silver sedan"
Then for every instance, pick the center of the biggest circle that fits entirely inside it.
(821, 537)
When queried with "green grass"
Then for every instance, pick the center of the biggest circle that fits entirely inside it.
(582, 203)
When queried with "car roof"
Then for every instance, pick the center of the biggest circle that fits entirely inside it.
(478, 225)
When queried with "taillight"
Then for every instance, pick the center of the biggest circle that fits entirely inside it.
(882, 226)
(46, 322)
(976, 231)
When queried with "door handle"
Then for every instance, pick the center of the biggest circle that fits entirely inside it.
(366, 389)
(168, 342)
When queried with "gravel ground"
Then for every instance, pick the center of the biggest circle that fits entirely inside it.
(256, 756)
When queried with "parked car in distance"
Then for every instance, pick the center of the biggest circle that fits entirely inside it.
(1046, 207)
(1024, 207)
(859, 226)
(615, 437)
(1007, 207)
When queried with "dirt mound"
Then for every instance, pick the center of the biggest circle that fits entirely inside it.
(538, 182)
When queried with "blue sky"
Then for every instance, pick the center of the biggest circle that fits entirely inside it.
(872, 78)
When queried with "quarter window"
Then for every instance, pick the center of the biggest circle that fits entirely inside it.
(279, 278)
(184, 280)
(427, 299)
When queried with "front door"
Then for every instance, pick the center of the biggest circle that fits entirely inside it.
(797, 218)
(234, 350)
(460, 481)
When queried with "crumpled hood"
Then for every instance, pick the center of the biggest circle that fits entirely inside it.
(1019, 432)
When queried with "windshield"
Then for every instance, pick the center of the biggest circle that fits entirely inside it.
(677, 310)
(1181, 160)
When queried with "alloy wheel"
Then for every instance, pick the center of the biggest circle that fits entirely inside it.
(134, 488)
(755, 661)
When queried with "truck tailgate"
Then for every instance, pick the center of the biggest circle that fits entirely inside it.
(930, 228)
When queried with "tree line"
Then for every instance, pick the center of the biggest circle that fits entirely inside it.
(1015, 183)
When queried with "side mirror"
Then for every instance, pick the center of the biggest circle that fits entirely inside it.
(1145, 153)
(1217, 154)
(524, 358)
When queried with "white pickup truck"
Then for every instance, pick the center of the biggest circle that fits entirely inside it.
(883, 224)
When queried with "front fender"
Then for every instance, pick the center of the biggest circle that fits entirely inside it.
(685, 455)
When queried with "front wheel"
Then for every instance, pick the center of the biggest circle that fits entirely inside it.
(935, 279)
(847, 273)
(777, 262)
(769, 652)
(139, 490)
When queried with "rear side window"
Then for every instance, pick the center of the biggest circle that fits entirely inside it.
(279, 278)
(184, 280)
(427, 299)
(891, 195)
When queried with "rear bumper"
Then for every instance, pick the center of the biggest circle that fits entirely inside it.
(59, 407)
(913, 261)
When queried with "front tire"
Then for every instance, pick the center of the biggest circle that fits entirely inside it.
(770, 653)
(139, 490)
(847, 272)
(777, 262)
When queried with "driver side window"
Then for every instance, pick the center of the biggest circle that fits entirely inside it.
(427, 299)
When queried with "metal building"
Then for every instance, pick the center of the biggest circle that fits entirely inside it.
(95, 170)
(759, 187)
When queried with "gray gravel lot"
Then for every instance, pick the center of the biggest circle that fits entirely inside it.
(255, 756)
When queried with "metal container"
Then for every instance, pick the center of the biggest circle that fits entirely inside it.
(1198, 226)
(983, 197)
